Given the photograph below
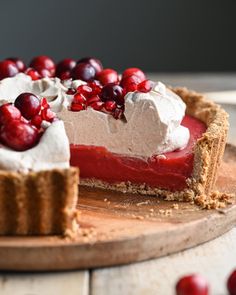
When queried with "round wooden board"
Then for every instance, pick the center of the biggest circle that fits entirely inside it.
(119, 229)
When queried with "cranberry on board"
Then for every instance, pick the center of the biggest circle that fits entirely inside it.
(28, 104)
(64, 68)
(107, 76)
(8, 69)
(231, 283)
(43, 62)
(192, 285)
(94, 62)
(9, 112)
(19, 135)
(18, 62)
(83, 71)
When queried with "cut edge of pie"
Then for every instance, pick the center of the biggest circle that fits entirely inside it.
(208, 152)
(39, 203)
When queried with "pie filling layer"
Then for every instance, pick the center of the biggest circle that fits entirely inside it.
(168, 171)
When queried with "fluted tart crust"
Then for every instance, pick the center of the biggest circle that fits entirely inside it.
(38, 203)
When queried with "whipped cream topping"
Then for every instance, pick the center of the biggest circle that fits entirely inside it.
(51, 152)
(151, 125)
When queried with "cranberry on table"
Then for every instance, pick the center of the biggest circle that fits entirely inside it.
(83, 71)
(134, 71)
(18, 62)
(231, 283)
(43, 62)
(19, 135)
(8, 69)
(107, 76)
(8, 112)
(94, 62)
(28, 104)
(64, 68)
(192, 285)
(114, 92)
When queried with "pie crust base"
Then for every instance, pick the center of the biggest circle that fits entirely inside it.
(39, 203)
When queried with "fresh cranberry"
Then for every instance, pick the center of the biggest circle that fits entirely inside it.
(36, 121)
(83, 71)
(145, 86)
(18, 135)
(231, 283)
(85, 90)
(71, 91)
(192, 285)
(43, 62)
(94, 62)
(33, 74)
(96, 88)
(134, 71)
(76, 107)
(79, 98)
(97, 105)
(64, 68)
(44, 103)
(8, 69)
(18, 62)
(110, 105)
(108, 76)
(28, 104)
(8, 112)
(47, 114)
(114, 92)
(44, 73)
(130, 82)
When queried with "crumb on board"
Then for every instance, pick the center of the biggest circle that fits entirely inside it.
(216, 200)
(175, 206)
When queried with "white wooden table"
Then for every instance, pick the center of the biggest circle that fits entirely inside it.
(215, 259)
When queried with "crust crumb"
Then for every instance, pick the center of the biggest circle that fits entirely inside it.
(216, 200)
(175, 206)
(166, 212)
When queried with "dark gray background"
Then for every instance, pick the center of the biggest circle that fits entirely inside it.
(156, 35)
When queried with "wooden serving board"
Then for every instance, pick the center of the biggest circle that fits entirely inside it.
(119, 229)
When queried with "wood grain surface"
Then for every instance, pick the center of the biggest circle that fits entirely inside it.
(118, 228)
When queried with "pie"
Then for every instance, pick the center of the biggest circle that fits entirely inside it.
(125, 132)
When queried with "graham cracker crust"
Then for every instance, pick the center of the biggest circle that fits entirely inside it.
(39, 203)
(208, 153)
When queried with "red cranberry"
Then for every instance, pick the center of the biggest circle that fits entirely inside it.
(79, 98)
(134, 71)
(18, 135)
(97, 105)
(96, 89)
(8, 112)
(94, 62)
(8, 69)
(18, 62)
(145, 86)
(231, 283)
(108, 76)
(28, 104)
(44, 73)
(36, 121)
(129, 82)
(85, 90)
(192, 285)
(114, 92)
(83, 71)
(33, 74)
(110, 105)
(43, 62)
(64, 68)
